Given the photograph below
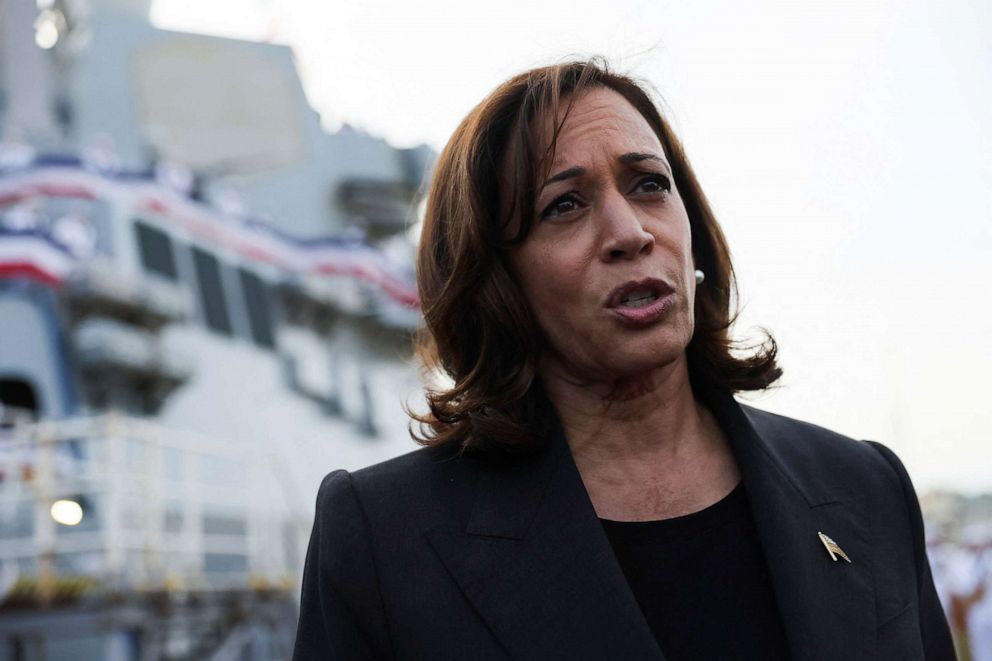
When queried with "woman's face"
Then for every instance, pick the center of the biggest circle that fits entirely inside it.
(607, 266)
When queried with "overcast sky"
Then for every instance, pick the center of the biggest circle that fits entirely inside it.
(844, 145)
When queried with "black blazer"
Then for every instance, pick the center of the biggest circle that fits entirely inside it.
(435, 556)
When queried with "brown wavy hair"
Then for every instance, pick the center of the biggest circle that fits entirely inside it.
(479, 331)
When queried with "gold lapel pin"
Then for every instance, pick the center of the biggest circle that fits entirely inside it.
(832, 548)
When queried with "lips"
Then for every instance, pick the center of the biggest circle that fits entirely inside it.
(641, 303)
(636, 294)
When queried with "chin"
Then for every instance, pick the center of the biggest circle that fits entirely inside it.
(665, 345)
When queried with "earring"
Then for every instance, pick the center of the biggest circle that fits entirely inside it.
(700, 276)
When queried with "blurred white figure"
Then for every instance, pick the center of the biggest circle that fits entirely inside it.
(230, 202)
(100, 154)
(980, 625)
(75, 232)
(963, 573)
(174, 175)
(23, 216)
(938, 553)
(15, 153)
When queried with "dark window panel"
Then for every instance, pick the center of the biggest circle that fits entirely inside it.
(224, 563)
(258, 304)
(212, 298)
(218, 524)
(155, 248)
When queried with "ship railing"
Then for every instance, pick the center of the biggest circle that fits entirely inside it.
(117, 504)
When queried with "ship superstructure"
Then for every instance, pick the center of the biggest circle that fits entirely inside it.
(187, 344)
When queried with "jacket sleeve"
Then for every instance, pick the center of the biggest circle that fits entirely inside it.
(937, 642)
(341, 612)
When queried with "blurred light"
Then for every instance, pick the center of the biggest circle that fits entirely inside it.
(45, 4)
(46, 30)
(67, 512)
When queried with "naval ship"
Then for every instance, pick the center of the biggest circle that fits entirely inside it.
(185, 348)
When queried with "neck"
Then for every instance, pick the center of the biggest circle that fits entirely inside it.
(647, 413)
(643, 445)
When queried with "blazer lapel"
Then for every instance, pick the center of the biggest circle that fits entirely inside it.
(827, 606)
(536, 565)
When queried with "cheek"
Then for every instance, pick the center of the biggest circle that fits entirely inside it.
(674, 251)
(678, 243)
(548, 290)
(550, 273)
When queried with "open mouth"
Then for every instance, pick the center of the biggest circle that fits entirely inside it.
(638, 293)
(638, 298)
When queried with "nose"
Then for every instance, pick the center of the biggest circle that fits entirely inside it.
(622, 234)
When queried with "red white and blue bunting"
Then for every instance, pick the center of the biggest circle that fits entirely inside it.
(50, 253)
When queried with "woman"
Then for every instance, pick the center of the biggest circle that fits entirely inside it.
(590, 488)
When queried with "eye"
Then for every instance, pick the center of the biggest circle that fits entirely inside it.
(654, 183)
(560, 206)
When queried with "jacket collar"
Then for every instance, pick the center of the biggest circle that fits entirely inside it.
(536, 564)
(827, 607)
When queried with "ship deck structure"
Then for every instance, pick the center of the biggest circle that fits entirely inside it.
(206, 303)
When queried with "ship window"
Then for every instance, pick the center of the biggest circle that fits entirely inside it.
(155, 248)
(211, 292)
(219, 524)
(18, 402)
(223, 563)
(172, 521)
(257, 302)
(16, 520)
(86, 646)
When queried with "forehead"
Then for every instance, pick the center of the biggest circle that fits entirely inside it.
(602, 119)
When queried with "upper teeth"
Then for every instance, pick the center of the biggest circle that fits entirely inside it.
(638, 298)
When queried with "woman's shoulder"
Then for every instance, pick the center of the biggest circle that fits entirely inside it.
(812, 448)
(412, 470)
(829, 467)
(428, 484)
(781, 427)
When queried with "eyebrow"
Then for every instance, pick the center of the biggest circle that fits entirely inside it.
(626, 159)
(570, 173)
(638, 156)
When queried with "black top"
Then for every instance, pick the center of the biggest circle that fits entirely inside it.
(702, 582)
